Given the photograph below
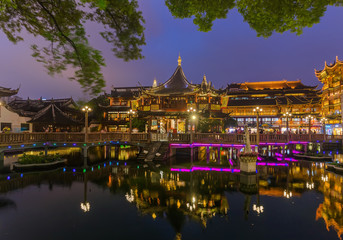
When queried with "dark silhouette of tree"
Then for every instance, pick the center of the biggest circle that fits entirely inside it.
(204, 12)
(62, 24)
(264, 16)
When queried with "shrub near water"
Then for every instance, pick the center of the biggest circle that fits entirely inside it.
(41, 158)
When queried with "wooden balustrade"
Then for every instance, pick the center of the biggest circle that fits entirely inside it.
(76, 137)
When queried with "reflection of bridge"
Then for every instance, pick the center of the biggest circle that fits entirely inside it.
(31, 138)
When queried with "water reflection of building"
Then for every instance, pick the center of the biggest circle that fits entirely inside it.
(331, 208)
(201, 196)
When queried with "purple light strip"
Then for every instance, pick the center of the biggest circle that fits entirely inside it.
(259, 158)
(296, 152)
(233, 170)
(230, 161)
(272, 143)
(271, 164)
(278, 154)
(299, 142)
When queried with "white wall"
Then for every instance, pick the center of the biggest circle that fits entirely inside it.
(7, 116)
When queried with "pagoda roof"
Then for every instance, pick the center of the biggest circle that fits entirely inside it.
(251, 102)
(331, 66)
(6, 92)
(286, 100)
(53, 115)
(282, 85)
(280, 100)
(175, 85)
(31, 107)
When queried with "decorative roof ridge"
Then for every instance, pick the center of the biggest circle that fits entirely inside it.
(53, 107)
(330, 66)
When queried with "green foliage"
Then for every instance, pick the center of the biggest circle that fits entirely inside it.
(209, 125)
(41, 158)
(97, 104)
(230, 122)
(264, 16)
(138, 123)
(204, 12)
(62, 25)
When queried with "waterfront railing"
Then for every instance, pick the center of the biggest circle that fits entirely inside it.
(77, 137)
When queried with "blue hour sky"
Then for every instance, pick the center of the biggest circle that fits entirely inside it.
(231, 52)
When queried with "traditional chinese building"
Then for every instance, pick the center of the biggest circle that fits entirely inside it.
(165, 106)
(275, 98)
(50, 115)
(332, 78)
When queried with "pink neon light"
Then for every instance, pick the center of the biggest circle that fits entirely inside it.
(259, 158)
(298, 142)
(272, 143)
(291, 159)
(204, 169)
(272, 164)
(296, 151)
(278, 154)
(230, 161)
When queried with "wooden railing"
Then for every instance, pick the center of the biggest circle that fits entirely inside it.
(25, 138)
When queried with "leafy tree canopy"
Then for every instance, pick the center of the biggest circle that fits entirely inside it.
(264, 16)
(62, 24)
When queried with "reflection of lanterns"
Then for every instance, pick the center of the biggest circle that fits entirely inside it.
(287, 194)
(310, 185)
(324, 178)
(257, 208)
(85, 206)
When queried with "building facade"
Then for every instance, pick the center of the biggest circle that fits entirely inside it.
(168, 107)
(331, 106)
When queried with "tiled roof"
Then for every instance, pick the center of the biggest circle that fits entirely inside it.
(53, 115)
(176, 84)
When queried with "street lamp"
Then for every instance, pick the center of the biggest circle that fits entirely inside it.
(287, 115)
(257, 110)
(130, 113)
(86, 109)
(309, 118)
(192, 111)
(323, 120)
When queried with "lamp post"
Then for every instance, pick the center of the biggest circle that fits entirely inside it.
(130, 113)
(287, 115)
(192, 111)
(86, 109)
(309, 118)
(257, 110)
(323, 120)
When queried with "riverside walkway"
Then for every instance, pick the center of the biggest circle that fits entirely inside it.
(9, 139)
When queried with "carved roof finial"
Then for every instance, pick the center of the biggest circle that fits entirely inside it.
(204, 81)
(179, 60)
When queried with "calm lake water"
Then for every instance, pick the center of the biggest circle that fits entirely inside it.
(118, 201)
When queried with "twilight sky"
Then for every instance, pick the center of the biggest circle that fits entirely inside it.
(231, 52)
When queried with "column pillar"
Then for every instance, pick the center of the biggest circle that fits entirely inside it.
(208, 154)
(45, 149)
(2, 159)
(192, 155)
(218, 160)
(85, 155)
